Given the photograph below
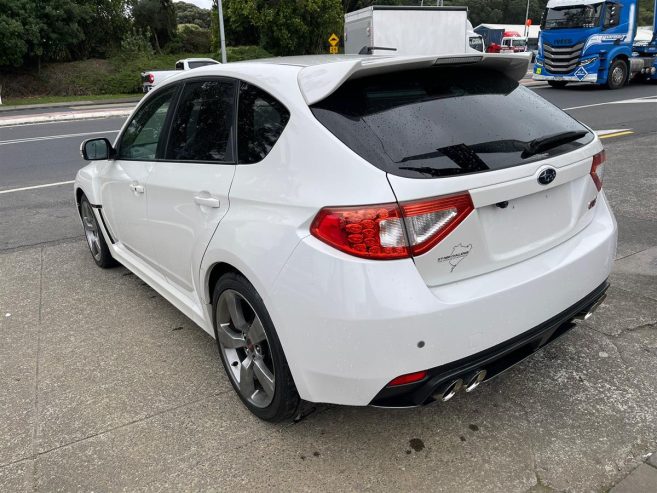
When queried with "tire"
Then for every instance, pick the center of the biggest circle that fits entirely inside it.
(558, 84)
(250, 350)
(618, 74)
(94, 236)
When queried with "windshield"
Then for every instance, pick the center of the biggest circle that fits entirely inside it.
(573, 17)
(444, 121)
(519, 42)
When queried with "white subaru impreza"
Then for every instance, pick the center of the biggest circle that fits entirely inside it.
(356, 230)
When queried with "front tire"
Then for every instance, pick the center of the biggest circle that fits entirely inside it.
(250, 350)
(558, 84)
(94, 236)
(618, 74)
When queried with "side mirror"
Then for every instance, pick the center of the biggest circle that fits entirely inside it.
(96, 149)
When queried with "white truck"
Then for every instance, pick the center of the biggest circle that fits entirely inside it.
(399, 30)
(151, 78)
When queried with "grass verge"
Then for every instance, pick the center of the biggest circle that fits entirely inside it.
(64, 99)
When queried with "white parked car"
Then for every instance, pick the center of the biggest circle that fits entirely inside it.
(356, 230)
(151, 78)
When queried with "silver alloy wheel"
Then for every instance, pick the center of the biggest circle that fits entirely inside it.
(245, 348)
(91, 229)
(618, 75)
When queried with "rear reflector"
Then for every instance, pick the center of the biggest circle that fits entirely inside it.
(388, 231)
(408, 378)
(598, 169)
(151, 78)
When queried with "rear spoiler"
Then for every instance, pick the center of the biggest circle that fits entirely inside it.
(317, 82)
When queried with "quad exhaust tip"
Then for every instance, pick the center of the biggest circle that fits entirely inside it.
(587, 314)
(475, 380)
(449, 390)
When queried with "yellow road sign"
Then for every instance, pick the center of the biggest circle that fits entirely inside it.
(333, 50)
(333, 40)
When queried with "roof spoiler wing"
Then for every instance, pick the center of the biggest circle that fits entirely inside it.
(317, 82)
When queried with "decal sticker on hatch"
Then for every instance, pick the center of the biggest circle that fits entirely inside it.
(459, 252)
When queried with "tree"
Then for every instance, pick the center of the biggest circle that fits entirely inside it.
(188, 13)
(157, 17)
(291, 27)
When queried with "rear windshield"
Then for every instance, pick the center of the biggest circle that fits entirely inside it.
(440, 122)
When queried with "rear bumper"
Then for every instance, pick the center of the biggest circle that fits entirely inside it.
(349, 326)
(494, 360)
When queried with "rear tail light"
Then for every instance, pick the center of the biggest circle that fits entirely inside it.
(428, 222)
(151, 78)
(408, 378)
(598, 169)
(388, 231)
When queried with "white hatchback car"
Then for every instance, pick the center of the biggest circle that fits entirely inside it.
(356, 229)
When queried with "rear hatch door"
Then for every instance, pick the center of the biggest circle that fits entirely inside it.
(467, 129)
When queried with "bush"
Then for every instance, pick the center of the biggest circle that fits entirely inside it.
(193, 38)
(135, 42)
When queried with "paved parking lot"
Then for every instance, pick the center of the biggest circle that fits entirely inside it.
(107, 387)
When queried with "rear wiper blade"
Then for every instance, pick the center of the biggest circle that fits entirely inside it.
(543, 144)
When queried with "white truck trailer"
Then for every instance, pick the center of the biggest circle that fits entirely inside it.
(407, 30)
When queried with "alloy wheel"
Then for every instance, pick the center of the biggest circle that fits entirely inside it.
(245, 348)
(91, 231)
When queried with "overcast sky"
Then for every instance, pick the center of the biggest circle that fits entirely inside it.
(206, 4)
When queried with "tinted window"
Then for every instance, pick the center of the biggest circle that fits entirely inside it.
(140, 139)
(262, 119)
(442, 121)
(199, 64)
(203, 126)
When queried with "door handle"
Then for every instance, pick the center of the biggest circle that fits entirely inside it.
(207, 201)
(136, 188)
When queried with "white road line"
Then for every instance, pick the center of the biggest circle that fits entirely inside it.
(38, 186)
(51, 137)
(647, 99)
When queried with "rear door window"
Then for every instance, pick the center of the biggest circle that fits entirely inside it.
(203, 127)
(441, 122)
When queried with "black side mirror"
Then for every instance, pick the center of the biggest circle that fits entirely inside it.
(96, 149)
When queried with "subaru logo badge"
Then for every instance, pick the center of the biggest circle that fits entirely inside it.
(547, 176)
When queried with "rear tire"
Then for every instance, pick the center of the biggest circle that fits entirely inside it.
(618, 74)
(558, 84)
(94, 236)
(250, 350)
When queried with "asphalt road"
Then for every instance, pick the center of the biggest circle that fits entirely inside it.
(46, 154)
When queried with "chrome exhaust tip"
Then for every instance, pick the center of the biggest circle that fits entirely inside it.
(448, 391)
(586, 315)
(475, 380)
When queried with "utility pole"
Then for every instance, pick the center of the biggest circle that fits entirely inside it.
(221, 32)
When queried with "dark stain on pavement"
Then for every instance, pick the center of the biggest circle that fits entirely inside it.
(474, 427)
(416, 444)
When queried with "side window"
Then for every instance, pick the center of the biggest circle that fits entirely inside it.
(261, 120)
(180, 66)
(203, 126)
(140, 139)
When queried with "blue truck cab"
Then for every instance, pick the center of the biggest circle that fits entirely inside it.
(592, 41)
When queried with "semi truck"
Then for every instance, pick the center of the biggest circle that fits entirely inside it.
(385, 29)
(594, 41)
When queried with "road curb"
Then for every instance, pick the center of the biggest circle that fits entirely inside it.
(61, 117)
